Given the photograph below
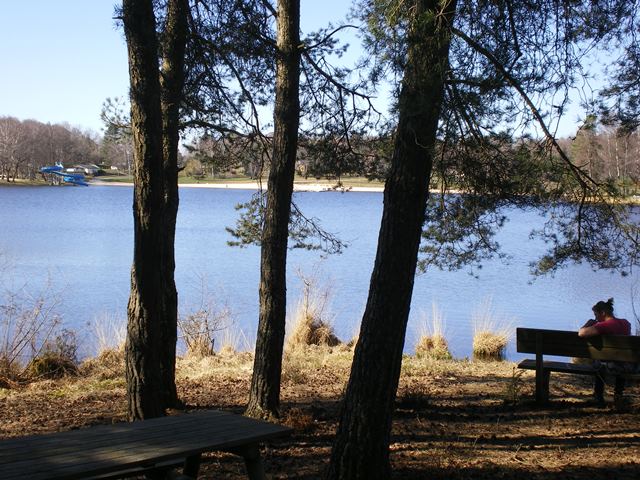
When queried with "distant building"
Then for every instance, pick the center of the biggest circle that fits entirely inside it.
(86, 169)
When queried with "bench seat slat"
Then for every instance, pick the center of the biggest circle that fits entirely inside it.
(563, 367)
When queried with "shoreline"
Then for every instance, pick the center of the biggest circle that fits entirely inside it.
(297, 187)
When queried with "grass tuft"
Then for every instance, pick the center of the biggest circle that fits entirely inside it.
(50, 365)
(513, 388)
(110, 332)
(107, 365)
(432, 342)
(311, 322)
(491, 333)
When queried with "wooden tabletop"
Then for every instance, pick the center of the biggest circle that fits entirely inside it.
(110, 448)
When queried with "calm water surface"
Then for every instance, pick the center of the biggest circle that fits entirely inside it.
(81, 239)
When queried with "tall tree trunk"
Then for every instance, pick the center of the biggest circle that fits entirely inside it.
(171, 83)
(264, 399)
(361, 448)
(143, 347)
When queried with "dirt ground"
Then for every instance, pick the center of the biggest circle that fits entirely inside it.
(453, 419)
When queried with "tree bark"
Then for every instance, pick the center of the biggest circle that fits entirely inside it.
(264, 399)
(171, 84)
(361, 448)
(145, 309)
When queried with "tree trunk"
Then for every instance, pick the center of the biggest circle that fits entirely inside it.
(264, 399)
(361, 448)
(171, 83)
(143, 347)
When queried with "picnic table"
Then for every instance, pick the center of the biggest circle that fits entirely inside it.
(109, 451)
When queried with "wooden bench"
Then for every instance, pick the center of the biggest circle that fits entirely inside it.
(620, 348)
(109, 451)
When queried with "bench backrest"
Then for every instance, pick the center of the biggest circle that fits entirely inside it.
(622, 348)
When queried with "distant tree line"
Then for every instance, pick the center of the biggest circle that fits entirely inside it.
(26, 146)
(607, 153)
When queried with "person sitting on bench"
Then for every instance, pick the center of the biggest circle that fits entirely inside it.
(606, 323)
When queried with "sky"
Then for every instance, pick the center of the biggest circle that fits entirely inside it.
(61, 59)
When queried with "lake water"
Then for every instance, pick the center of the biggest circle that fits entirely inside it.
(81, 239)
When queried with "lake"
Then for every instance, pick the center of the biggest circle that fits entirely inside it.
(81, 241)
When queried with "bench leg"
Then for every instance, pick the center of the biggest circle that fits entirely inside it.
(542, 386)
(252, 460)
(191, 466)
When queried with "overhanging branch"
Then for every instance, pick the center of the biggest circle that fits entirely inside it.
(582, 177)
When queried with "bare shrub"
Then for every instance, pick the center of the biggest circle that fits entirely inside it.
(312, 324)
(58, 357)
(432, 342)
(491, 333)
(200, 326)
(27, 323)
(198, 333)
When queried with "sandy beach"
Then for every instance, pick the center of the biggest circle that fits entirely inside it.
(298, 187)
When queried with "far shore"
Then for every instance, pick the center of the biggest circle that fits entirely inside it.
(298, 187)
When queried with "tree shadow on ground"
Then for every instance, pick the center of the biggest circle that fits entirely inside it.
(467, 432)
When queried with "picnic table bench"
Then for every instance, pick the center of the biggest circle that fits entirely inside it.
(111, 451)
(608, 348)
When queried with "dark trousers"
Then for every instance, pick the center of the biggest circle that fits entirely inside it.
(598, 386)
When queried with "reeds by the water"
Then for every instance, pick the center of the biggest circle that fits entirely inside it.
(432, 342)
(492, 332)
(312, 322)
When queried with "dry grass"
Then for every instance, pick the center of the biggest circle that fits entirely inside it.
(109, 331)
(298, 419)
(311, 331)
(431, 341)
(312, 322)
(232, 340)
(489, 345)
(303, 362)
(108, 364)
(491, 333)
(239, 364)
(51, 365)
(451, 420)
